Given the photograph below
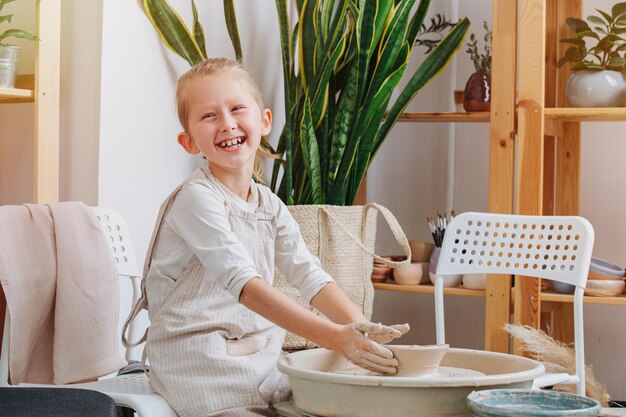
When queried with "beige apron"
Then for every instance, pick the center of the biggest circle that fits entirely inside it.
(210, 355)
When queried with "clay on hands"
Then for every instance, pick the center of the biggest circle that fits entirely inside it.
(380, 333)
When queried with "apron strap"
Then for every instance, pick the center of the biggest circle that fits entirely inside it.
(142, 302)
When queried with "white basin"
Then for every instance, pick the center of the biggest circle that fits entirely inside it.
(320, 391)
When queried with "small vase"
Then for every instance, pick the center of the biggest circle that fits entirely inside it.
(9, 56)
(448, 280)
(477, 94)
(587, 88)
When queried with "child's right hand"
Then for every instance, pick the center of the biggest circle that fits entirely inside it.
(361, 351)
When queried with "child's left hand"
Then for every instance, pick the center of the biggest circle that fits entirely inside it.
(380, 333)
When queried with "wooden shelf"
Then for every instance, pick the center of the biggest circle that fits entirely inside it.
(565, 298)
(427, 289)
(461, 117)
(582, 114)
(16, 95)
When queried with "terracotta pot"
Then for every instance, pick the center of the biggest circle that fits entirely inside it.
(477, 94)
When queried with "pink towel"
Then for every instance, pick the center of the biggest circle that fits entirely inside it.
(60, 282)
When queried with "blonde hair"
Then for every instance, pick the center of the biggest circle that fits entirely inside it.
(210, 67)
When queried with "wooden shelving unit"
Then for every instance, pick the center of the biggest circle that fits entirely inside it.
(535, 140)
(427, 289)
(443, 117)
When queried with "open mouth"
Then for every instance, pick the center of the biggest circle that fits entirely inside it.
(232, 143)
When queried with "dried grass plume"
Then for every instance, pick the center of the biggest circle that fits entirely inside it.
(557, 357)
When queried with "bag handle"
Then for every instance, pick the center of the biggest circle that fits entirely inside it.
(397, 231)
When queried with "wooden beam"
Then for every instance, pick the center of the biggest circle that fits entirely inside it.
(530, 147)
(47, 86)
(501, 160)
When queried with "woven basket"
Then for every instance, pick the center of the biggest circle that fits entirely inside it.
(343, 238)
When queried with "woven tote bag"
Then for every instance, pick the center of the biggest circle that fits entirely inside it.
(343, 238)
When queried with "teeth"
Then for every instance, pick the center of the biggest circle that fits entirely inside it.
(229, 143)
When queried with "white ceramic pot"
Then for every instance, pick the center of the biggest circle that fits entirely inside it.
(588, 88)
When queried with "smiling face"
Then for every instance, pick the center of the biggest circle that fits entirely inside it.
(224, 122)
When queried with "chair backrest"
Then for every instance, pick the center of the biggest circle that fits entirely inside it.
(553, 247)
(118, 236)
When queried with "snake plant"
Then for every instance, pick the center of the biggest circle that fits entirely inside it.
(342, 61)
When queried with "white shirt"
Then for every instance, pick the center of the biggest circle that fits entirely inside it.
(197, 226)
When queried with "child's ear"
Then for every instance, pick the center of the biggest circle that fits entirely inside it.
(266, 122)
(187, 143)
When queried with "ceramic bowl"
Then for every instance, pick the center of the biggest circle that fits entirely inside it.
(604, 287)
(526, 403)
(448, 280)
(418, 360)
(601, 269)
(475, 281)
(413, 274)
(563, 288)
(420, 251)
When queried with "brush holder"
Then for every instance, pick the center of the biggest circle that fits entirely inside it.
(448, 280)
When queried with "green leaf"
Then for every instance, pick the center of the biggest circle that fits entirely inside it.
(198, 31)
(434, 63)
(596, 20)
(307, 40)
(311, 153)
(417, 21)
(18, 33)
(616, 62)
(587, 34)
(172, 30)
(231, 25)
(6, 18)
(586, 66)
(576, 24)
(618, 10)
(607, 16)
(321, 87)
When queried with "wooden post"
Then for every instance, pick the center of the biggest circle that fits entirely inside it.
(47, 85)
(501, 160)
(567, 201)
(530, 147)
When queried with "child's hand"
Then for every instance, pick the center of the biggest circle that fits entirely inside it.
(361, 351)
(380, 333)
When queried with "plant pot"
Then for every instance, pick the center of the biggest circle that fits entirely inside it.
(9, 57)
(477, 93)
(587, 88)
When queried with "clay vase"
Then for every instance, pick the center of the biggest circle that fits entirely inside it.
(477, 94)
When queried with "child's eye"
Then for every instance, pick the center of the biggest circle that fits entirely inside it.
(208, 116)
(239, 107)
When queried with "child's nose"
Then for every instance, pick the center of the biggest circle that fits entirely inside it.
(228, 122)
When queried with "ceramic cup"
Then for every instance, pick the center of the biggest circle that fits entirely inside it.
(413, 274)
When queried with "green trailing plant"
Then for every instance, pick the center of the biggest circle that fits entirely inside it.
(481, 61)
(605, 32)
(15, 33)
(342, 61)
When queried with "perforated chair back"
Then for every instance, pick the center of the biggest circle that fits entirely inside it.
(118, 236)
(553, 247)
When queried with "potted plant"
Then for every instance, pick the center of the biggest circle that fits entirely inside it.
(477, 93)
(342, 62)
(9, 54)
(597, 59)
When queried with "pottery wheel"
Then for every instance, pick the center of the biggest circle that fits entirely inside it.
(289, 409)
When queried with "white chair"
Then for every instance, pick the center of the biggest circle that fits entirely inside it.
(553, 247)
(130, 390)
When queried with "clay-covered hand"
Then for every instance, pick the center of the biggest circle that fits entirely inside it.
(380, 333)
(364, 352)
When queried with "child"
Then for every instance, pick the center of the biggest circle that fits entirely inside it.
(214, 338)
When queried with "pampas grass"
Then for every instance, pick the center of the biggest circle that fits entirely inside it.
(557, 357)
